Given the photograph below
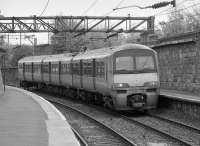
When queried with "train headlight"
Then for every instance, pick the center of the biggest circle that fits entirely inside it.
(120, 85)
(152, 84)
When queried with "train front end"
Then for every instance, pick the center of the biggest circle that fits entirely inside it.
(135, 84)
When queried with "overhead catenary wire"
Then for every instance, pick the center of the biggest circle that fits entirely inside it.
(175, 11)
(181, 18)
(45, 7)
(180, 3)
(108, 13)
(90, 7)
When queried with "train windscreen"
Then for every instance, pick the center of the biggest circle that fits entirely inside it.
(134, 63)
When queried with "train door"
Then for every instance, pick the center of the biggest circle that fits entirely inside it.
(94, 73)
(59, 73)
(41, 71)
(81, 73)
(49, 72)
(71, 66)
(23, 73)
(32, 71)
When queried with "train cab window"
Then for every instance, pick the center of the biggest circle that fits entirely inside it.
(125, 63)
(144, 62)
(134, 64)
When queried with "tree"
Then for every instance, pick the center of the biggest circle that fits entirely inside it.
(19, 52)
(180, 22)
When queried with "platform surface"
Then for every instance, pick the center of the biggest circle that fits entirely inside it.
(180, 95)
(30, 121)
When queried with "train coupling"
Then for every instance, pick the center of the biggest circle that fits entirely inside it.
(136, 100)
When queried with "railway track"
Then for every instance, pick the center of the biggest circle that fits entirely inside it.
(175, 122)
(134, 131)
(93, 131)
(182, 133)
(82, 141)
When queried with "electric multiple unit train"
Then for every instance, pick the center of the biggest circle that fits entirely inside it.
(122, 77)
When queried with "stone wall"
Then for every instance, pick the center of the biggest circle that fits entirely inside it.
(179, 62)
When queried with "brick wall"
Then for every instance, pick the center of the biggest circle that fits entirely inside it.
(179, 62)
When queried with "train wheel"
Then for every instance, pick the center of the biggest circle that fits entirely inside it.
(83, 96)
(108, 103)
(98, 99)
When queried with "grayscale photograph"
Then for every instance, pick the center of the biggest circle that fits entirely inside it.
(100, 73)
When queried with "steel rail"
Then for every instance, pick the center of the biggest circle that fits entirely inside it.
(80, 138)
(155, 130)
(129, 142)
(175, 122)
(143, 125)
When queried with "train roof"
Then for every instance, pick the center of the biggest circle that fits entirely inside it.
(58, 57)
(47, 58)
(97, 53)
(30, 59)
(104, 52)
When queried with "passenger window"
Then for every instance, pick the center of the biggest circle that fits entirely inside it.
(100, 69)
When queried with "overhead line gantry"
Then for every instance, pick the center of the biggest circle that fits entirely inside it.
(78, 24)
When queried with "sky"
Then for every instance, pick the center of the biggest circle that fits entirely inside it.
(17, 8)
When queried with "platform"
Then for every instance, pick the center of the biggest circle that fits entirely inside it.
(28, 120)
(184, 102)
(180, 95)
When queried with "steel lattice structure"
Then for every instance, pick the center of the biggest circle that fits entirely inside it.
(77, 24)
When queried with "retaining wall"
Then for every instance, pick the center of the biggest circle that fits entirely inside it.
(179, 61)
